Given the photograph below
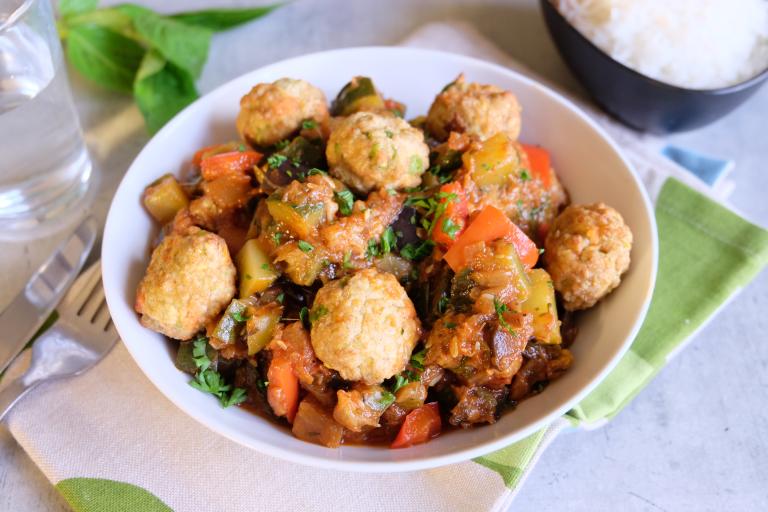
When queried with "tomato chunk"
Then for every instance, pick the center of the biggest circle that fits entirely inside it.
(420, 426)
(489, 225)
(451, 223)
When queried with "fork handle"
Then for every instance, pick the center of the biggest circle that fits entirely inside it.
(13, 392)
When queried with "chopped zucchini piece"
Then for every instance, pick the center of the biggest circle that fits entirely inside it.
(255, 270)
(301, 220)
(164, 197)
(301, 267)
(358, 95)
(231, 323)
(494, 161)
(261, 325)
(541, 304)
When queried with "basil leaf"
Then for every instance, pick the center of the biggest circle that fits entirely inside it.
(184, 45)
(70, 7)
(108, 58)
(161, 90)
(223, 19)
(113, 19)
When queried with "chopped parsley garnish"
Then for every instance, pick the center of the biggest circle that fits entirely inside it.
(200, 353)
(241, 147)
(417, 359)
(389, 134)
(309, 124)
(265, 266)
(282, 144)
(404, 378)
(345, 200)
(385, 399)
(502, 308)
(303, 315)
(281, 297)
(238, 396)
(450, 325)
(315, 170)
(275, 161)
(388, 240)
(210, 381)
(373, 249)
(525, 175)
(417, 251)
(276, 236)
(317, 313)
(306, 246)
(237, 316)
(450, 228)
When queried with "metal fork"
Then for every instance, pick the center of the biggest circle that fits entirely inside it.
(82, 336)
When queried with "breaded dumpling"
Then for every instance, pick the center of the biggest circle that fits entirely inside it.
(587, 250)
(368, 151)
(272, 112)
(190, 279)
(475, 109)
(365, 326)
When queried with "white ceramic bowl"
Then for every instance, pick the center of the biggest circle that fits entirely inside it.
(587, 161)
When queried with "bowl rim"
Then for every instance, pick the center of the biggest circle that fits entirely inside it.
(329, 462)
(755, 80)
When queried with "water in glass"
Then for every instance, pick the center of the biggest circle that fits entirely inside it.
(44, 165)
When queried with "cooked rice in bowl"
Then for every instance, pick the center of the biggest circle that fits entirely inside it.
(696, 44)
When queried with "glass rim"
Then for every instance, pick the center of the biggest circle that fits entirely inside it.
(15, 15)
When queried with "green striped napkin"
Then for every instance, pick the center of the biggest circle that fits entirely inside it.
(706, 254)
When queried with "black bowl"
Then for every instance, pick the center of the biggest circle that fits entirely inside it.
(635, 99)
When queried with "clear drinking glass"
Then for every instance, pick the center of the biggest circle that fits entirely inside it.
(45, 170)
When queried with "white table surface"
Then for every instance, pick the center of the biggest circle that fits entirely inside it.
(695, 439)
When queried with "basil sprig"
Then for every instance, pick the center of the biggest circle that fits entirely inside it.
(131, 49)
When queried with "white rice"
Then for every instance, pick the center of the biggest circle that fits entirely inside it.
(697, 44)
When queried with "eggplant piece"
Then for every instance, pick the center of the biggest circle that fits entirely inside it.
(185, 360)
(359, 94)
(296, 161)
(444, 162)
(405, 226)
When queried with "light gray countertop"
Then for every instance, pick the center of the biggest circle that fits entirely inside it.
(695, 439)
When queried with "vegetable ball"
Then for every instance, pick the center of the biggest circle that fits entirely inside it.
(587, 250)
(272, 112)
(368, 151)
(190, 279)
(475, 109)
(365, 326)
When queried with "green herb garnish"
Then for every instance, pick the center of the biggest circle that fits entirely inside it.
(388, 240)
(276, 160)
(502, 308)
(417, 251)
(524, 175)
(306, 246)
(345, 200)
(317, 313)
(309, 124)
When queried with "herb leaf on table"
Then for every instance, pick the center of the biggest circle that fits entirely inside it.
(132, 49)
